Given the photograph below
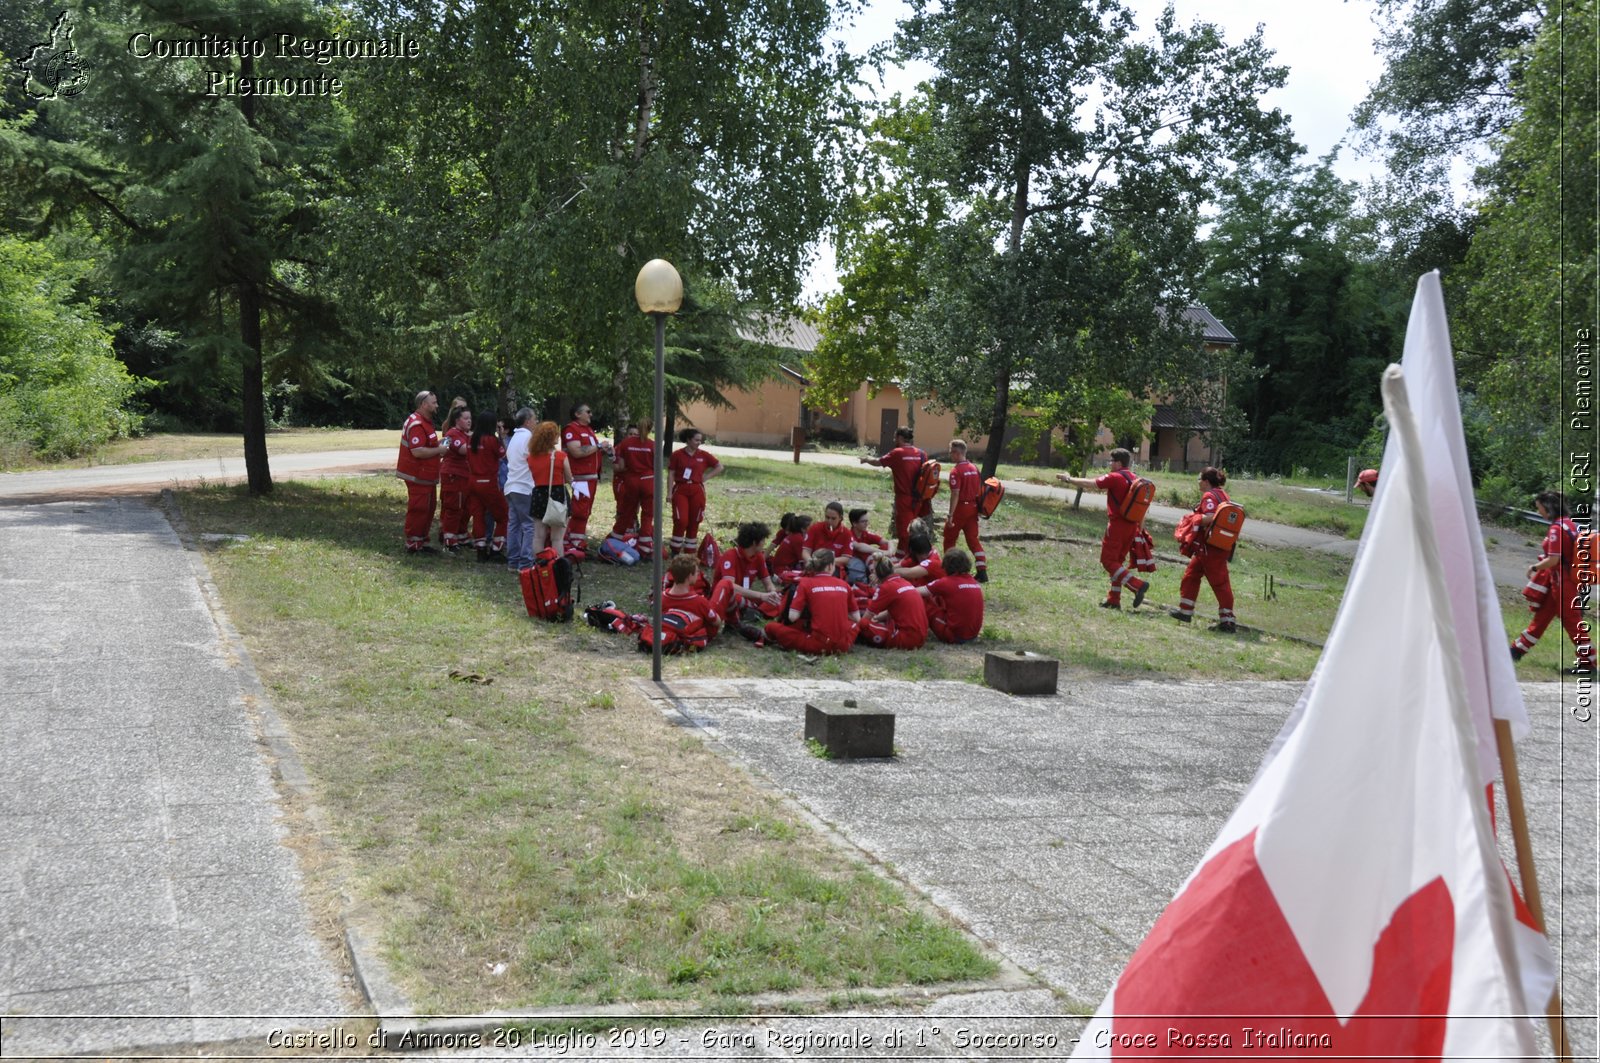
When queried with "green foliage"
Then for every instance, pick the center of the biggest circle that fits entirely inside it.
(1075, 226)
(1300, 285)
(1528, 284)
(62, 391)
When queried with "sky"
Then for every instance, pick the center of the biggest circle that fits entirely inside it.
(1326, 44)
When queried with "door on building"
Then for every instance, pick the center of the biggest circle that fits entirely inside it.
(888, 421)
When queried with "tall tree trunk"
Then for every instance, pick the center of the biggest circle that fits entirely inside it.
(1002, 378)
(256, 466)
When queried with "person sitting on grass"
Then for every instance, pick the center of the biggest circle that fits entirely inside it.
(685, 598)
(955, 601)
(785, 561)
(896, 618)
(742, 580)
(863, 545)
(819, 619)
(921, 565)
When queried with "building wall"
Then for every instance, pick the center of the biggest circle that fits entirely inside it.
(760, 417)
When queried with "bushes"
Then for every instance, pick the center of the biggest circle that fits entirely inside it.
(62, 392)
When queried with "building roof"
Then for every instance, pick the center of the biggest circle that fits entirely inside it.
(790, 333)
(1172, 417)
(1211, 330)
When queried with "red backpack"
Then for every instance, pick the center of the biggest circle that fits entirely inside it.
(926, 484)
(990, 497)
(708, 552)
(681, 632)
(1136, 503)
(547, 587)
(1225, 526)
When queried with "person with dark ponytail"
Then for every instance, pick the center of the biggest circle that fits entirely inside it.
(485, 500)
(455, 477)
(1208, 561)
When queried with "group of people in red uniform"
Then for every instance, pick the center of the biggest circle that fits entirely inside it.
(815, 608)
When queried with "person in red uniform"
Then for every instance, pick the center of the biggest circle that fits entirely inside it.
(634, 481)
(685, 594)
(864, 544)
(1367, 482)
(485, 500)
(895, 618)
(921, 565)
(955, 601)
(785, 561)
(1208, 561)
(455, 478)
(903, 462)
(418, 466)
(820, 619)
(585, 451)
(966, 484)
(741, 577)
(1556, 568)
(690, 468)
(831, 534)
(1117, 543)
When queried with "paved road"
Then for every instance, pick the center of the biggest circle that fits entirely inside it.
(144, 877)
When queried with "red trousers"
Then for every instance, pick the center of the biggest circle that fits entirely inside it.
(453, 491)
(964, 521)
(1213, 565)
(1560, 600)
(885, 635)
(636, 508)
(791, 637)
(486, 499)
(688, 510)
(419, 514)
(1114, 551)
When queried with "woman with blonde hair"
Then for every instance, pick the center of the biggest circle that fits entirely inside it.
(547, 462)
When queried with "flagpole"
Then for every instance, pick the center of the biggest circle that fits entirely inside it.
(1511, 781)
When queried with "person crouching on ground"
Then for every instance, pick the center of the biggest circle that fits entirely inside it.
(896, 618)
(1117, 543)
(1208, 561)
(547, 464)
(819, 619)
(955, 601)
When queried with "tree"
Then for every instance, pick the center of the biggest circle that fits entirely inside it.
(1300, 283)
(62, 391)
(1082, 157)
(527, 174)
(1528, 284)
(886, 231)
(213, 193)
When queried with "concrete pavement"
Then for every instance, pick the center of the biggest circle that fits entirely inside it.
(146, 890)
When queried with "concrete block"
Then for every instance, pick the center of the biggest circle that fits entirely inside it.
(849, 730)
(1020, 672)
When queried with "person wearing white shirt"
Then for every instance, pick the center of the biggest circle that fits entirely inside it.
(519, 493)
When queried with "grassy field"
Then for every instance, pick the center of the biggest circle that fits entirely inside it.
(534, 838)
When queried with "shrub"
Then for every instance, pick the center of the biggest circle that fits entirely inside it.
(62, 391)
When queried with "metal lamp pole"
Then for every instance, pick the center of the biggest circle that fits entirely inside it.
(659, 291)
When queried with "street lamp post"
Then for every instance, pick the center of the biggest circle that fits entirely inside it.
(659, 292)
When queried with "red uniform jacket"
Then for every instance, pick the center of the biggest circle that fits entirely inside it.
(1116, 485)
(636, 459)
(418, 431)
(484, 462)
(966, 483)
(821, 537)
(828, 599)
(961, 599)
(454, 462)
(904, 604)
(585, 468)
(744, 571)
(903, 463)
(689, 468)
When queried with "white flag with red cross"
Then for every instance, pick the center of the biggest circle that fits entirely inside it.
(1354, 904)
